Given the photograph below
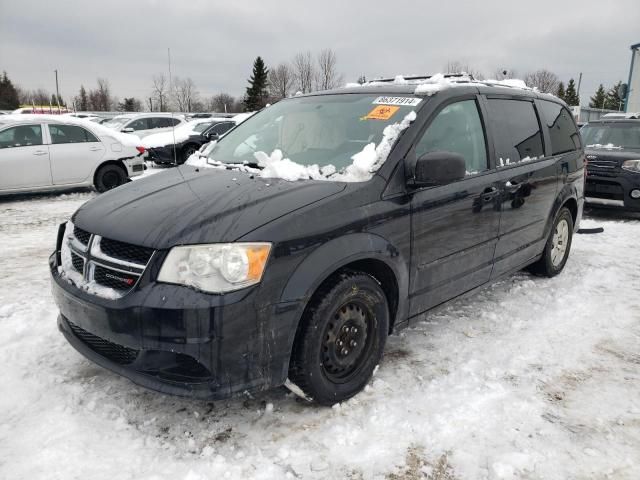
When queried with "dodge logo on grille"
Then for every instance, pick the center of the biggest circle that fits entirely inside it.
(128, 281)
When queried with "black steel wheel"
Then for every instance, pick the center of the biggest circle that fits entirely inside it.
(341, 338)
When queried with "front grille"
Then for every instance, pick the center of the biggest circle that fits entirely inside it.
(82, 235)
(78, 262)
(110, 278)
(109, 263)
(112, 351)
(126, 251)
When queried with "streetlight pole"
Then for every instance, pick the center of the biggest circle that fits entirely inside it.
(57, 91)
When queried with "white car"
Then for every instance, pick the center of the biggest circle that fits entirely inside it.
(40, 152)
(144, 124)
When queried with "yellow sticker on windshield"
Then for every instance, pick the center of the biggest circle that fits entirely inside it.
(382, 112)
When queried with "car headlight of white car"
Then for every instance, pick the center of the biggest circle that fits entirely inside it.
(216, 268)
(632, 165)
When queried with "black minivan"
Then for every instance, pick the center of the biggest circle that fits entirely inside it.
(327, 222)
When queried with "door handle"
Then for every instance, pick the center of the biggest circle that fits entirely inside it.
(94, 149)
(40, 152)
(489, 194)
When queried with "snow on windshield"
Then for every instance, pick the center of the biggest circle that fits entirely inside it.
(363, 166)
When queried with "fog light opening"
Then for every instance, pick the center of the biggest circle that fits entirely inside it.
(635, 194)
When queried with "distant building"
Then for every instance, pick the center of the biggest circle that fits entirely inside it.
(632, 103)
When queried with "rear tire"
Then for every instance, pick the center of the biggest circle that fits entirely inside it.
(341, 338)
(109, 177)
(556, 251)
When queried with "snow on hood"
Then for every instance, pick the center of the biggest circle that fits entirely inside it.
(365, 163)
(178, 135)
(608, 146)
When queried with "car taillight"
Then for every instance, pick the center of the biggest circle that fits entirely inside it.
(141, 149)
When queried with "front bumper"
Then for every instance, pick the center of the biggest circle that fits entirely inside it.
(613, 191)
(176, 340)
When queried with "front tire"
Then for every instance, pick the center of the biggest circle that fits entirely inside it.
(109, 177)
(341, 338)
(556, 250)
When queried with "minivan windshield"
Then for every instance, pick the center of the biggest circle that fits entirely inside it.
(615, 134)
(318, 130)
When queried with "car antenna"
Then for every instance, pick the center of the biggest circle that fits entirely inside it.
(173, 127)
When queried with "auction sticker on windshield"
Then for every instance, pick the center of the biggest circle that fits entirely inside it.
(383, 112)
(403, 101)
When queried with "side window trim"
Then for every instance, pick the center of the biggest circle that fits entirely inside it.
(481, 113)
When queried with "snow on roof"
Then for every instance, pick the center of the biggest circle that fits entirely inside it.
(429, 85)
(629, 115)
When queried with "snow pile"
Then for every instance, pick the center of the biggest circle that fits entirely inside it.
(274, 166)
(608, 146)
(241, 117)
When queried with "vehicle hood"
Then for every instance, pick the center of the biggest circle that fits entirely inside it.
(188, 205)
(610, 155)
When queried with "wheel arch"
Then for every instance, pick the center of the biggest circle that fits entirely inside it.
(363, 252)
(118, 163)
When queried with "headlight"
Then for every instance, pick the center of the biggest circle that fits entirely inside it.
(632, 166)
(216, 268)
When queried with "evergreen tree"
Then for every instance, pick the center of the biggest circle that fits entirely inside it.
(571, 95)
(257, 94)
(8, 94)
(128, 105)
(560, 92)
(597, 101)
(612, 100)
(82, 100)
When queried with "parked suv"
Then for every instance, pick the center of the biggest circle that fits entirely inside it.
(613, 169)
(328, 221)
(143, 124)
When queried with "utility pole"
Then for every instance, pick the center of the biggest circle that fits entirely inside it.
(579, 82)
(57, 91)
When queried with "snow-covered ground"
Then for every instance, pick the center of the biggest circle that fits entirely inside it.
(530, 378)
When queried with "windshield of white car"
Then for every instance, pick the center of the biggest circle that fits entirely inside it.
(316, 130)
(615, 134)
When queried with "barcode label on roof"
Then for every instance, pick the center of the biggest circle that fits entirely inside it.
(405, 101)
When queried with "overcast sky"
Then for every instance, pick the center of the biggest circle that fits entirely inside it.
(215, 42)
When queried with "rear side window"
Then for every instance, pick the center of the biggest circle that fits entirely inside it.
(140, 124)
(70, 134)
(516, 131)
(457, 129)
(562, 130)
(163, 122)
(21, 136)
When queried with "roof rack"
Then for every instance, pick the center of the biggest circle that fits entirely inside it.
(462, 76)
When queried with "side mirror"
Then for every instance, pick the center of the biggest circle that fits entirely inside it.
(127, 130)
(212, 136)
(439, 168)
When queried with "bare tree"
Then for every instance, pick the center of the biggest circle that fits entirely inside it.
(281, 81)
(303, 71)
(159, 92)
(544, 80)
(327, 76)
(33, 97)
(222, 103)
(459, 67)
(184, 94)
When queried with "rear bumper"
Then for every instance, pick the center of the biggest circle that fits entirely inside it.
(164, 155)
(613, 191)
(179, 341)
